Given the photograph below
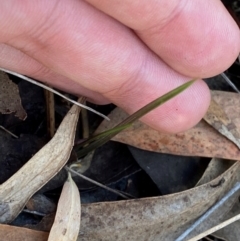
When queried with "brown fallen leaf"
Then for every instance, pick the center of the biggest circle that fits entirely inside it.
(219, 120)
(11, 233)
(66, 225)
(46, 163)
(154, 219)
(10, 100)
(202, 140)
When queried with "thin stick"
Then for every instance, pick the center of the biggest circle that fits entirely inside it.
(34, 212)
(97, 183)
(85, 125)
(216, 228)
(54, 91)
(9, 132)
(230, 82)
(50, 110)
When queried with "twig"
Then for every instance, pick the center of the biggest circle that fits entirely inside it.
(209, 212)
(50, 110)
(9, 132)
(98, 184)
(85, 126)
(230, 82)
(208, 239)
(34, 212)
(54, 91)
(216, 228)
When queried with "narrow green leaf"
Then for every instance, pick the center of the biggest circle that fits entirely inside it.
(156, 103)
(144, 110)
(114, 130)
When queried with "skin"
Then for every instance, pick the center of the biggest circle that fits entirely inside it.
(125, 52)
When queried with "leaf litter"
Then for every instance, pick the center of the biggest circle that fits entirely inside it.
(143, 218)
(156, 218)
(16, 191)
(66, 225)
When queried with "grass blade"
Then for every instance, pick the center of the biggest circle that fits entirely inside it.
(144, 110)
(112, 131)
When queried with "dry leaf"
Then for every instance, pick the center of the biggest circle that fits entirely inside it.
(202, 140)
(215, 168)
(153, 219)
(66, 225)
(10, 100)
(11, 233)
(219, 120)
(16, 191)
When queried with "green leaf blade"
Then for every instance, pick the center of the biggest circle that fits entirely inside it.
(128, 121)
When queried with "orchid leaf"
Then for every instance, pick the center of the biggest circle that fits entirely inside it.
(102, 138)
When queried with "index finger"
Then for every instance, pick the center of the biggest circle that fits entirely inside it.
(196, 38)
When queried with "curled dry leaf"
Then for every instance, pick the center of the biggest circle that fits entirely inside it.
(66, 225)
(16, 191)
(202, 140)
(10, 100)
(215, 168)
(153, 219)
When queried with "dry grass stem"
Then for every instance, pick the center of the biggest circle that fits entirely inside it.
(9, 132)
(53, 91)
(46, 163)
(125, 195)
(50, 110)
(216, 228)
(230, 82)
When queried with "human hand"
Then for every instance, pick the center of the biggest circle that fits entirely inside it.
(125, 52)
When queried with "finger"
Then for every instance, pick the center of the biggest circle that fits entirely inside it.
(77, 41)
(19, 62)
(196, 38)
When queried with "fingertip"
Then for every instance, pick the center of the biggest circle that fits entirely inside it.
(205, 46)
(183, 111)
